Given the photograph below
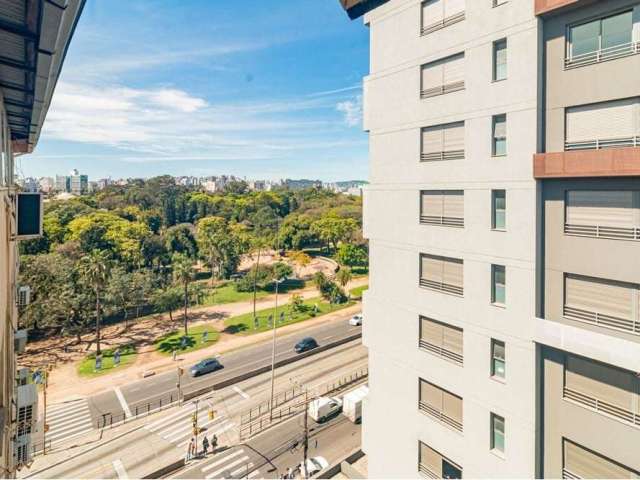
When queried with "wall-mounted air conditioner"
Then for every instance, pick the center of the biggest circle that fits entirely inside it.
(24, 295)
(23, 375)
(26, 408)
(29, 214)
(20, 341)
(22, 451)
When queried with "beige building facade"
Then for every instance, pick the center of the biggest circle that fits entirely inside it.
(503, 215)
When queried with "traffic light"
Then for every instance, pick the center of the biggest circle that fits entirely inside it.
(212, 414)
(194, 419)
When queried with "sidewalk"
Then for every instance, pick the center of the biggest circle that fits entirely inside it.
(65, 384)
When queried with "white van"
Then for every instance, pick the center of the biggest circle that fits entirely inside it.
(323, 407)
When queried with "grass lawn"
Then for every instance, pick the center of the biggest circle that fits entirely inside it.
(227, 293)
(86, 368)
(356, 293)
(173, 341)
(244, 325)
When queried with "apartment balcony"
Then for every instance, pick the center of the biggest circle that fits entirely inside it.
(543, 7)
(596, 162)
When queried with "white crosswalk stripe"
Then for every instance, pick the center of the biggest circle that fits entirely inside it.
(227, 467)
(67, 420)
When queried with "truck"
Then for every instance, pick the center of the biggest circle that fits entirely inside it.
(352, 403)
(324, 407)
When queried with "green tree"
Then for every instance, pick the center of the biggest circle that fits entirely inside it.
(183, 275)
(344, 276)
(180, 239)
(352, 255)
(300, 259)
(167, 301)
(332, 229)
(95, 269)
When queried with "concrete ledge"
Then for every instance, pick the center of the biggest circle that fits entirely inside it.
(164, 471)
(344, 466)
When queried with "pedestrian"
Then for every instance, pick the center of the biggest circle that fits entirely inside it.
(289, 472)
(214, 443)
(194, 448)
(205, 445)
(189, 449)
(173, 354)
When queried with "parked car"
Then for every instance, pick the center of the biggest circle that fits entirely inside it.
(356, 320)
(314, 465)
(307, 343)
(207, 365)
(324, 407)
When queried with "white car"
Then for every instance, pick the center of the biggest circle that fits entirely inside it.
(314, 465)
(356, 320)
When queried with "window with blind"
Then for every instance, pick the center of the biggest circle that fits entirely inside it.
(442, 207)
(442, 76)
(613, 214)
(499, 135)
(440, 404)
(437, 14)
(581, 462)
(603, 39)
(498, 209)
(442, 142)
(605, 303)
(442, 273)
(603, 125)
(441, 339)
(498, 359)
(500, 60)
(606, 389)
(432, 464)
(498, 284)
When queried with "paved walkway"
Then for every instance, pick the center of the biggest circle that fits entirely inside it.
(66, 385)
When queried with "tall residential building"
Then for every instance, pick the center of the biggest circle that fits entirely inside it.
(503, 214)
(34, 36)
(63, 183)
(78, 184)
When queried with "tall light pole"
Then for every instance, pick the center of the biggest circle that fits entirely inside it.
(275, 323)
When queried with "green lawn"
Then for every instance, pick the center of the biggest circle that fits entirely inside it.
(244, 325)
(228, 294)
(86, 368)
(173, 341)
(356, 293)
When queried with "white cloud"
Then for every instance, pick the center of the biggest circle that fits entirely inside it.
(352, 111)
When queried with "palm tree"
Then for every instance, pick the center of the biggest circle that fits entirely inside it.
(344, 276)
(183, 274)
(95, 269)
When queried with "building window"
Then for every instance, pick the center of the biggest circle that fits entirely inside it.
(603, 125)
(441, 405)
(498, 209)
(498, 284)
(434, 465)
(442, 142)
(605, 303)
(499, 135)
(442, 76)
(497, 3)
(442, 207)
(442, 274)
(497, 433)
(608, 390)
(612, 214)
(437, 14)
(441, 339)
(581, 462)
(500, 60)
(498, 359)
(602, 39)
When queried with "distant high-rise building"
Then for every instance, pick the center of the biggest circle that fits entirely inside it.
(78, 184)
(63, 183)
(47, 184)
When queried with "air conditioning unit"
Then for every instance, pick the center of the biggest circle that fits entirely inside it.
(24, 296)
(29, 214)
(20, 341)
(22, 452)
(27, 408)
(23, 376)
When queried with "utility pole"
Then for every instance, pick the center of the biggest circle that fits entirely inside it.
(45, 427)
(306, 434)
(195, 424)
(179, 374)
(275, 323)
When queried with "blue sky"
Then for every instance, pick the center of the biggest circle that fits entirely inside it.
(255, 88)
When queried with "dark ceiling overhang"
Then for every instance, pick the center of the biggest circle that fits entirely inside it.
(357, 8)
(34, 38)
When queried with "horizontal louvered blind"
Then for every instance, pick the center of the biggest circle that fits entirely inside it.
(431, 459)
(453, 7)
(452, 339)
(431, 332)
(452, 406)
(431, 395)
(431, 203)
(601, 208)
(452, 272)
(587, 464)
(453, 136)
(432, 268)
(453, 203)
(598, 381)
(602, 121)
(500, 126)
(599, 296)
(432, 12)
(432, 75)
(453, 69)
(432, 140)
(442, 337)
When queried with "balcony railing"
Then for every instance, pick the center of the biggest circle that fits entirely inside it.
(602, 55)
(445, 22)
(426, 471)
(603, 407)
(440, 156)
(598, 231)
(602, 320)
(570, 476)
(621, 142)
(441, 286)
(442, 89)
(440, 416)
(441, 352)
(444, 221)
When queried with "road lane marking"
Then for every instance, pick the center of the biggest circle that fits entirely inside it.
(123, 402)
(227, 467)
(119, 468)
(226, 426)
(222, 460)
(240, 392)
(255, 473)
(243, 468)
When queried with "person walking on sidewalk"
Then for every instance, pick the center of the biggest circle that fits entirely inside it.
(190, 449)
(214, 443)
(205, 445)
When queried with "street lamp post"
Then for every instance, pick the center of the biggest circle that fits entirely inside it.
(275, 323)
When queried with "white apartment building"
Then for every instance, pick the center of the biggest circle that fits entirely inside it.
(502, 315)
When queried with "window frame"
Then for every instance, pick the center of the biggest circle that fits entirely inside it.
(495, 210)
(494, 359)
(494, 417)
(495, 270)
(494, 59)
(495, 139)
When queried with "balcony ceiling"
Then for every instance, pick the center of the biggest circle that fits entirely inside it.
(34, 37)
(357, 8)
